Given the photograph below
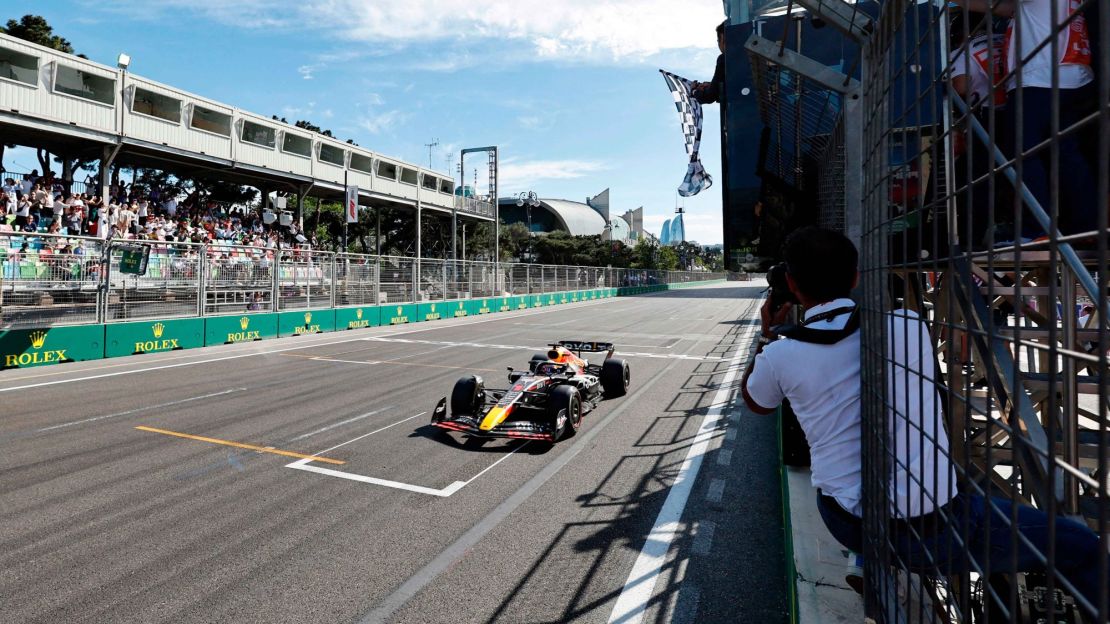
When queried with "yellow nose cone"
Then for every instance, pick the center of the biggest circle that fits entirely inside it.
(495, 417)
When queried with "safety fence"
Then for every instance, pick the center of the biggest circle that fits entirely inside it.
(56, 280)
(981, 217)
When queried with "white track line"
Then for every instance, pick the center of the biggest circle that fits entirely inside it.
(303, 464)
(638, 589)
(397, 485)
(139, 409)
(341, 423)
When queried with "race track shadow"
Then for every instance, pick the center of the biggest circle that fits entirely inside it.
(737, 580)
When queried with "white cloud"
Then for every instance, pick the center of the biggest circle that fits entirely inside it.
(307, 71)
(516, 175)
(588, 30)
(376, 123)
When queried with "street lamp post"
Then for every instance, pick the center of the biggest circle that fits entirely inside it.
(531, 200)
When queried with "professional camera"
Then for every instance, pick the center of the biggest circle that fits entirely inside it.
(780, 290)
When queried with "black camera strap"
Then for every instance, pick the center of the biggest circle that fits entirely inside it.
(806, 333)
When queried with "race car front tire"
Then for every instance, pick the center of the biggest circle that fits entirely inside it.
(615, 377)
(565, 398)
(466, 397)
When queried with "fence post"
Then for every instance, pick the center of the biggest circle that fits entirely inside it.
(444, 273)
(415, 281)
(335, 274)
(378, 280)
(202, 278)
(106, 277)
(276, 278)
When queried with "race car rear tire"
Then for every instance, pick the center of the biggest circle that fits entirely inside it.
(565, 398)
(615, 377)
(466, 397)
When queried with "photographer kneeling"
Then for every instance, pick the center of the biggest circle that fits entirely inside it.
(816, 365)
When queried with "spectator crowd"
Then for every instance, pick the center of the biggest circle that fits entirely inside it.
(43, 204)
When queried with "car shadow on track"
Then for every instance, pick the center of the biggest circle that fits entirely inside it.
(480, 445)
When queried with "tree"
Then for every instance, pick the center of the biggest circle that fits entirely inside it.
(36, 29)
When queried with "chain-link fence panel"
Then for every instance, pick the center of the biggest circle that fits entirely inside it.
(483, 279)
(517, 281)
(432, 285)
(169, 288)
(238, 279)
(356, 280)
(49, 280)
(306, 279)
(397, 277)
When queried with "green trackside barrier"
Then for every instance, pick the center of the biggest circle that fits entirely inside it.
(504, 304)
(432, 311)
(484, 306)
(574, 297)
(538, 301)
(153, 336)
(306, 322)
(239, 328)
(551, 299)
(357, 318)
(25, 348)
(459, 309)
(522, 302)
(399, 314)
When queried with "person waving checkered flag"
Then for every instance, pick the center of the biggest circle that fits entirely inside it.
(689, 110)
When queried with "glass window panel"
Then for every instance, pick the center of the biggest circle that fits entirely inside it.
(211, 121)
(445, 186)
(82, 84)
(387, 170)
(19, 66)
(295, 144)
(430, 182)
(408, 176)
(362, 163)
(331, 154)
(157, 105)
(259, 134)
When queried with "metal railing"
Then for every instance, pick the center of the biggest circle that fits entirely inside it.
(52, 280)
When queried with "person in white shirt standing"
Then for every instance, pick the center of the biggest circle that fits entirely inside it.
(1030, 111)
(818, 369)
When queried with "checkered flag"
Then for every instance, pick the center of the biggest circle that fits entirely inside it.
(689, 110)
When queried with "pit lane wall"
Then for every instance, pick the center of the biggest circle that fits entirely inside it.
(27, 348)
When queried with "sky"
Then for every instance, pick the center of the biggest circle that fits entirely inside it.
(569, 90)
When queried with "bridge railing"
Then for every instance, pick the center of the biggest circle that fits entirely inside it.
(49, 280)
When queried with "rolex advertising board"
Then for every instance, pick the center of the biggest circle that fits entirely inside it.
(23, 348)
(153, 336)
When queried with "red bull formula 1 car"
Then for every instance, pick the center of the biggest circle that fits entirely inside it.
(545, 402)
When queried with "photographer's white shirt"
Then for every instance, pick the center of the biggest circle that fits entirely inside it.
(823, 385)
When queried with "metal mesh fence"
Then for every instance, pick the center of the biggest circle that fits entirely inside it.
(306, 279)
(356, 280)
(56, 280)
(49, 279)
(238, 279)
(397, 280)
(985, 142)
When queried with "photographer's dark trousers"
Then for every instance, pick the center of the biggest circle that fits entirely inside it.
(1078, 205)
(935, 543)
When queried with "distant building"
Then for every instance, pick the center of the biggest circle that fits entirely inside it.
(575, 218)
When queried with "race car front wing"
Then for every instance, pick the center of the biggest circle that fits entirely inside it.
(519, 429)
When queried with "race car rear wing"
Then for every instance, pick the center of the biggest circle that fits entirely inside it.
(578, 347)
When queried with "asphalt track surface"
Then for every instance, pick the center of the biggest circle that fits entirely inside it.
(103, 522)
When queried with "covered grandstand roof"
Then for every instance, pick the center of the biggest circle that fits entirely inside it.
(578, 218)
